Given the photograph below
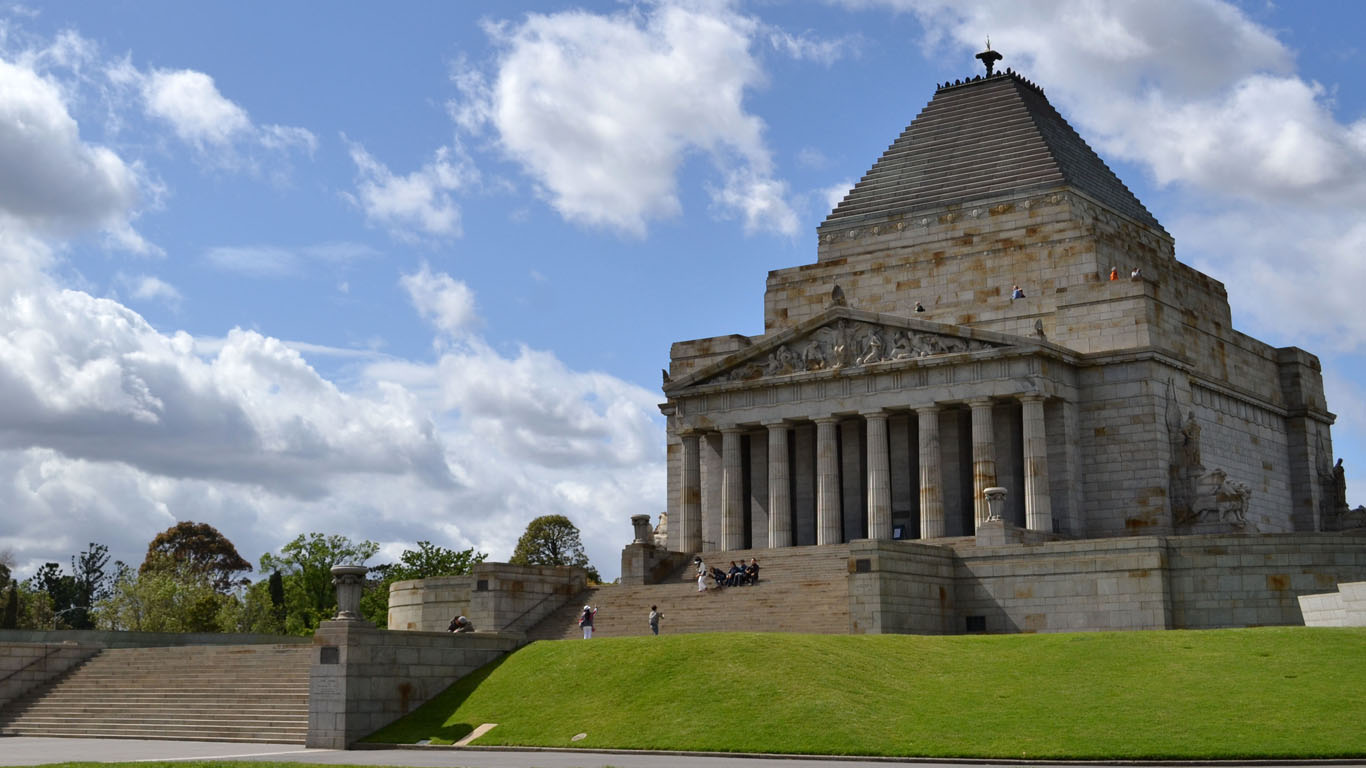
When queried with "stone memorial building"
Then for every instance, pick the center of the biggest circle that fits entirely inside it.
(991, 307)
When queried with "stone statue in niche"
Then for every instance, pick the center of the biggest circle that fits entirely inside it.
(1339, 488)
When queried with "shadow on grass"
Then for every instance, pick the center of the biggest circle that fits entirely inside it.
(429, 720)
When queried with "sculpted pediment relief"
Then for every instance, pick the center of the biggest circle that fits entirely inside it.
(846, 344)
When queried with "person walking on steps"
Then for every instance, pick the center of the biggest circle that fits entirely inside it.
(586, 621)
(654, 619)
(701, 574)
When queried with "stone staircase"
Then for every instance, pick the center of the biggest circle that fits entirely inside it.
(244, 693)
(800, 589)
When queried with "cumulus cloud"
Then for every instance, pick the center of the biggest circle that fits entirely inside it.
(602, 110)
(189, 102)
(446, 302)
(51, 180)
(418, 204)
(152, 288)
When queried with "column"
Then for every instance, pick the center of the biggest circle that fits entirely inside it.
(879, 478)
(931, 489)
(779, 489)
(983, 458)
(690, 507)
(732, 491)
(827, 482)
(1038, 509)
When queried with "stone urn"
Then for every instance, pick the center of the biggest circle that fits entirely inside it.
(349, 581)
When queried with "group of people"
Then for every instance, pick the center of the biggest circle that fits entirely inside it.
(738, 574)
(1135, 274)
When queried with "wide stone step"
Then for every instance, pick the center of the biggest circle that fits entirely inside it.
(267, 736)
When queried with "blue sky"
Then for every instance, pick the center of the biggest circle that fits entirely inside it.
(410, 271)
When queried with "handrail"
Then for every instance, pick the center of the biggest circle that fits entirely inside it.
(49, 650)
(537, 604)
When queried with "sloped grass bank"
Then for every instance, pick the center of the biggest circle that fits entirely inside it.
(1243, 693)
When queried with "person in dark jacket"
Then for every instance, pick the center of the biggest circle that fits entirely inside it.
(586, 621)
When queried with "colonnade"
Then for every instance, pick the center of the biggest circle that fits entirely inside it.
(877, 476)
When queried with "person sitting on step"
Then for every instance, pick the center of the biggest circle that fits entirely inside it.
(752, 571)
(735, 574)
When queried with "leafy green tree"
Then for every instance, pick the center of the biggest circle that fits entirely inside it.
(203, 548)
(169, 597)
(552, 540)
(72, 596)
(428, 561)
(9, 618)
(305, 565)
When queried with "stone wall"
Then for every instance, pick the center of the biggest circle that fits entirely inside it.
(513, 598)
(364, 678)
(1109, 584)
(25, 666)
(900, 587)
(1343, 608)
(428, 605)
(1254, 580)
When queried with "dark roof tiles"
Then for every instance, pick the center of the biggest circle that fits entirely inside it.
(980, 139)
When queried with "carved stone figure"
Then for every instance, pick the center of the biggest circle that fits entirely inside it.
(1339, 488)
(873, 348)
(1220, 499)
(901, 346)
(812, 357)
(1190, 443)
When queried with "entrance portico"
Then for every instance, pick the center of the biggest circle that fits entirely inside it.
(850, 442)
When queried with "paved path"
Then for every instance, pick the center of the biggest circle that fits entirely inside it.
(23, 750)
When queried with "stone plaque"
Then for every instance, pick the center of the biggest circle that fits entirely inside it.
(329, 654)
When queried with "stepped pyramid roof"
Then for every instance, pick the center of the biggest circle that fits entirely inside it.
(981, 138)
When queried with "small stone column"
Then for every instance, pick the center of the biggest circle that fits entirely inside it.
(1038, 508)
(879, 478)
(828, 529)
(732, 491)
(983, 458)
(690, 487)
(779, 488)
(349, 581)
(931, 480)
(996, 503)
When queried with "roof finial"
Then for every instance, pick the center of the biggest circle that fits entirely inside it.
(989, 57)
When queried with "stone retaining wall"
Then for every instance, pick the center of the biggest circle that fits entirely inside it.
(364, 678)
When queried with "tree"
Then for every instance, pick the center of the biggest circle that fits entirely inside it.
(73, 596)
(9, 619)
(305, 565)
(203, 548)
(428, 561)
(169, 597)
(552, 540)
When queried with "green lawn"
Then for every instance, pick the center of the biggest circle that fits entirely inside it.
(1244, 693)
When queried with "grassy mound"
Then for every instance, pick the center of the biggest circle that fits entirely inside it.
(1244, 693)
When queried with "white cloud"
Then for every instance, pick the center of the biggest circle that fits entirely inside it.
(269, 261)
(200, 115)
(602, 110)
(439, 298)
(808, 47)
(834, 194)
(152, 288)
(51, 181)
(110, 431)
(191, 103)
(415, 205)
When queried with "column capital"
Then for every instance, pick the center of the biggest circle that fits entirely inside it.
(1030, 397)
(980, 402)
(776, 424)
(927, 410)
(828, 419)
(691, 433)
(730, 429)
(874, 413)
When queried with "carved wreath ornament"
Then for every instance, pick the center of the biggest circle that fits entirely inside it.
(850, 345)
